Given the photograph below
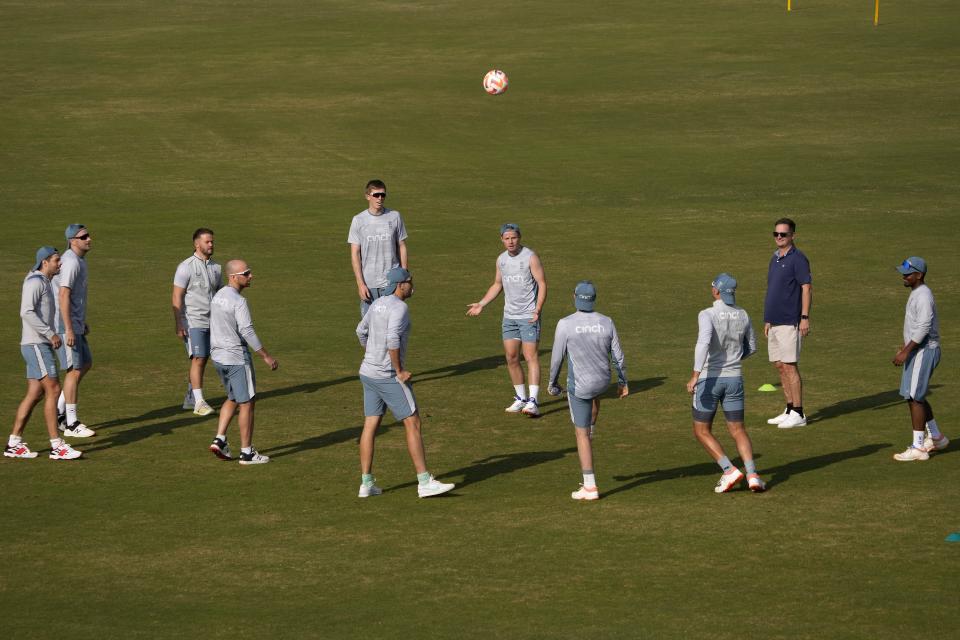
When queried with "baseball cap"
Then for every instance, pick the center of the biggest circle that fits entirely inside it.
(72, 230)
(584, 296)
(726, 284)
(394, 277)
(913, 264)
(42, 254)
(509, 226)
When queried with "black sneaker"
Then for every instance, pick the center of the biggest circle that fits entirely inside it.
(221, 449)
(253, 458)
(61, 422)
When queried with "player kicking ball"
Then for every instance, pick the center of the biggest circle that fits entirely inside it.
(586, 339)
(725, 339)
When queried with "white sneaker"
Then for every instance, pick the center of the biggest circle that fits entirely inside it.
(19, 451)
(202, 408)
(517, 406)
(755, 484)
(728, 481)
(586, 493)
(531, 409)
(778, 419)
(930, 445)
(368, 490)
(188, 402)
(64, 452)
(253, 458)
(433, 488)
(911, 454)
(79, 430)
(792, 420)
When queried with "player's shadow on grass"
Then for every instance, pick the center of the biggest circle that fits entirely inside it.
(135, 434)
(326, 440)
(875, 401)
(496, 465)
(478, 364)
(777, 475)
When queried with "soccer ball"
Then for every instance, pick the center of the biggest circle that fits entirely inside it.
(495, 82)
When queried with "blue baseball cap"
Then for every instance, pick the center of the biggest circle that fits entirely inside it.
(394, 277)
(42, 254)
(584, 296)
(726, 284)
(913, 264)
(509, 226)
(72, 230)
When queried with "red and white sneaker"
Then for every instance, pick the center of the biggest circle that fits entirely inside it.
(930, 445)
(65, 452)
(728, 481)
(19, 451)
(586, 493)
(755, 484)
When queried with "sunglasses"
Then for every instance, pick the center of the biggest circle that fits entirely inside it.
(85, 236)
(379, 194)
(245, 274)
(782, 234)
(909, 265)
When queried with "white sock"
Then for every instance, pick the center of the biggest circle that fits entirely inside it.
(13, 440)
(918, 437)
(198, 395)
(520, 390)
(61, 404)
(589, 480)
(934, 429)
(56, 443)
(534, 391)
(247, 450)
(71, 414)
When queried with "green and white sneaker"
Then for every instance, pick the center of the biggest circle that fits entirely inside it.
(433, 488)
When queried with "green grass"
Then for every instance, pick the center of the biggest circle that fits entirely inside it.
(647, 145)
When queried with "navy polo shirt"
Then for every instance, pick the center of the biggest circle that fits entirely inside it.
(785, 277)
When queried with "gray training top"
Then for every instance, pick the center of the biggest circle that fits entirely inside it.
(725, 338)
(231, 328)
(920, 322)
(587, 339)
(201, 279)
(73, 274)
(379, 238)
(385, 326)
(37, 310)
(519, 288)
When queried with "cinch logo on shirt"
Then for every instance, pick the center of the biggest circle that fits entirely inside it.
(729, 315)
(517, 278)
(381, 237)
(589, 328)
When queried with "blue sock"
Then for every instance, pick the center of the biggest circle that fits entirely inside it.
(366, 479)
(751, 466)
(423, 478)
(724, 463)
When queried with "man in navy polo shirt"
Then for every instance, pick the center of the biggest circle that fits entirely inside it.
(786, 318)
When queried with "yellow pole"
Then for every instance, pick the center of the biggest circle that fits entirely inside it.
(788, 5)
(876, 12)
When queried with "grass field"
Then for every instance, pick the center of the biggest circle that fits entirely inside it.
(646, 145)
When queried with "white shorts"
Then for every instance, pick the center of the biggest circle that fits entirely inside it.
(783, 343)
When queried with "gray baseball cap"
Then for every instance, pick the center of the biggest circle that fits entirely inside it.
(913, 264)
(394, 277)
(584, 296)
(726, 284)
(72, 231)
(509, 226)
(42, 254)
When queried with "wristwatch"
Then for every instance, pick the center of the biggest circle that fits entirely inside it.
(804, 317)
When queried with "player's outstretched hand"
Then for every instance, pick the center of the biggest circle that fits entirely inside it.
(474, 309)
(554, 390)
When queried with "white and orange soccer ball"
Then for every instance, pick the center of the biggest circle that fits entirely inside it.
(495, 82)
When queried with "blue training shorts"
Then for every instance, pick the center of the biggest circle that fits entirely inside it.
(520, 329)
(711, 393)
(239, 380)
(40, 361)
(917, 371)
(198, 343)
(380, 393)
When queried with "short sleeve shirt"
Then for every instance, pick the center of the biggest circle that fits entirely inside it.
(786, 276)
(379, 239)
(73, 274)
(201, 279)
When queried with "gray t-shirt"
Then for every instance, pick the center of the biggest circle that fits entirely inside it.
(725, 338)
(37, 310)
(385, 326)
(587, 340)
(73, 274)
(201, 279)
(379, 239)
(519, 288)
(920, 322)
(231, 328)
